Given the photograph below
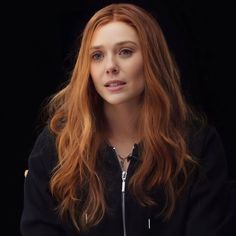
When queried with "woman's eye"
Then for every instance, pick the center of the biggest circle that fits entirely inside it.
(126, 52)
(97, 56)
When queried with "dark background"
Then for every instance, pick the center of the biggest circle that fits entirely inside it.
(40, 43)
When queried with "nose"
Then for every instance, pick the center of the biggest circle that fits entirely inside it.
(114, 70)
(112, 67)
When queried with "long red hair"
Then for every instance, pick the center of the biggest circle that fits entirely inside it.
(76, 121)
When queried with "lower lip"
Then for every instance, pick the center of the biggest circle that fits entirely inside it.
(115, 88)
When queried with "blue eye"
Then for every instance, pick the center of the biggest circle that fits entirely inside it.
(97, 56)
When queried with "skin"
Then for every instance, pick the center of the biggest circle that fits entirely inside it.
(117, 74)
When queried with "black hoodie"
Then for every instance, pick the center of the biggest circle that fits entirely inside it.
(206, 208)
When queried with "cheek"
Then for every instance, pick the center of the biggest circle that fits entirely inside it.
(137, 70)
(138, 75)
(92, 72)
(96, 73)
(136, 65)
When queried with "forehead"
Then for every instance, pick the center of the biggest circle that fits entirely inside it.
(114, 32)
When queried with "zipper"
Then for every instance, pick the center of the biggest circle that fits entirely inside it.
(124, 174)
(123, 177)
(149, 223)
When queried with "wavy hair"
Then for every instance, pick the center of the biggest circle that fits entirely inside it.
(76, 120)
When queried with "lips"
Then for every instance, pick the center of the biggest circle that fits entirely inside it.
(114, 83)
(115, 86)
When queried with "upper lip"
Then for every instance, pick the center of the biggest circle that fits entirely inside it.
(113, 82)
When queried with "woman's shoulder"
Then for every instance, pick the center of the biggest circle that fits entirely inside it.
(44, 149)
(206, 147)
(203, 136)
(209, 185)
(45, 140)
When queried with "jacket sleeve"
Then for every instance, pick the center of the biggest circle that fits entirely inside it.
(39, 215)
(212, 208)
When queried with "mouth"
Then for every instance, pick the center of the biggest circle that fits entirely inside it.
(115, 85)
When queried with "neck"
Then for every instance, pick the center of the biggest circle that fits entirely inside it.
(122, 122)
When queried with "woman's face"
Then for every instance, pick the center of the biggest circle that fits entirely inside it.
(117, 63)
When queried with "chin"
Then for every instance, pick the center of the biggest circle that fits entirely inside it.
(114, 102)
(114, 99)
(118, 101)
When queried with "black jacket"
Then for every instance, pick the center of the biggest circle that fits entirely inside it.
(205, 209)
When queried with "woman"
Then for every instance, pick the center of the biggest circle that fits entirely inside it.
(122, 153)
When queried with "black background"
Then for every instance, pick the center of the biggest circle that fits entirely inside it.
(39, 46)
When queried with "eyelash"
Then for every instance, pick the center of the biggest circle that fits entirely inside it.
(94, 55)
(125, 52)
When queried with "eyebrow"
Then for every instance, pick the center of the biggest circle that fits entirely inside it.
(117, 44)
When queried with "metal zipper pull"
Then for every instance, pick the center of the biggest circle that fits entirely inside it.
(124, 174)
(149, 223)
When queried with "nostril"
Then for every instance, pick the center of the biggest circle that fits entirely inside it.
(113, 70)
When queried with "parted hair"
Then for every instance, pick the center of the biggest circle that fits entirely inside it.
(76, 120)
